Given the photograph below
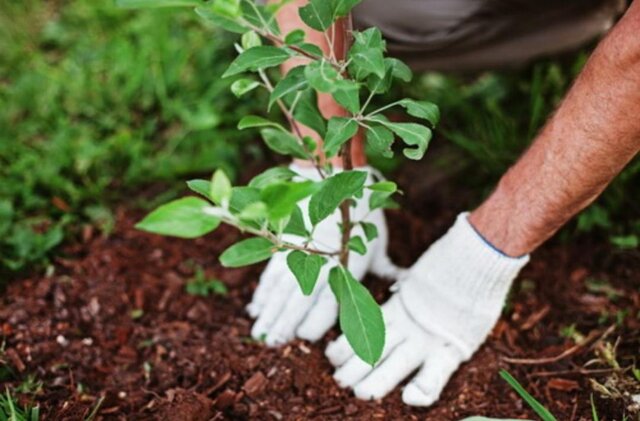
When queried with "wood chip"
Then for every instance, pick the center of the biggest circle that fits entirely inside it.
(15, 359)
(564, 385)
(255, 385)
(225, 399)
(535, 318)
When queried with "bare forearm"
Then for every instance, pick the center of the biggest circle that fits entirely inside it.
(593, 135)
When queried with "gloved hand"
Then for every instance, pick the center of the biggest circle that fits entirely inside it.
(282, 311)
(444, 308)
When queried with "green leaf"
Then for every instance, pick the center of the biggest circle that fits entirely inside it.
(243, 196)
(370, 230)
(399, 70)
(247, 252)
(343, 7)
(307, 113)
(256, 58)
(295, 37)
(531, 401)
(293, 81)
(272, 176)
(412, 134)
(334, 191)
(306, 269)
(282, 198)
(254, 211)
(322, 76)
(320, 14)
(311, 49)
(339, 131)
(250, 39)
(361, 319)
(157, 3)
(283, 142)
(384, 186)
(260, 16)
(252, 121)
(184, 218)
(227, 23)
(296, 225)
(422, 109)
(220, 189)
(380, 139)
(243, 86)
(381, 199)
(367, 55)
(228, 8)
(393, 69)
(347, 94)
(357, 244)
(317, 14)
(202, 187)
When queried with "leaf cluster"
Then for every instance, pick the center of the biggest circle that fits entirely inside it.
(269, 208)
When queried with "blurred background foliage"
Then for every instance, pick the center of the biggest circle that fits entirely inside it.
(96, 102)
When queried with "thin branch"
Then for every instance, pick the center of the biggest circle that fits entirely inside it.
(228, 218)
(346, 164)
(308, 249)
(293, 123)
(279, 41)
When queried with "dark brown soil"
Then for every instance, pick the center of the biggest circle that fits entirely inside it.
(114, 321)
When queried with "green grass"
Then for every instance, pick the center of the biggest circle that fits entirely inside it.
(12, 410)
(539, 409)
(96, 100)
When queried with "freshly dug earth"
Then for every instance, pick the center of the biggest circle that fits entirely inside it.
(113, 330)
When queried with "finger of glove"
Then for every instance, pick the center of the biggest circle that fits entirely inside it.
(339, 351)
(275, 270)
(354, 370)
(273, 308)
(320, 318)
(425, 388)
(295, 309)
(404, 359)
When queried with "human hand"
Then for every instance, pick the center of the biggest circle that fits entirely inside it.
(444, 308)
(282, 311)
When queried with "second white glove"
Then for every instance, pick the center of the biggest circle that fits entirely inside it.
(445, 307)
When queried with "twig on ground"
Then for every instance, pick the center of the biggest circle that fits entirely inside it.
(594, 337)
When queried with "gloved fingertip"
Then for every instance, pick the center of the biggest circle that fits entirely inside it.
(309, 335)
(273, 340)
(338, 352)
(253, 310)
(368, 392)
(413, 395)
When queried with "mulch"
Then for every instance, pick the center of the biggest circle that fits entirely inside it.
(112, 329)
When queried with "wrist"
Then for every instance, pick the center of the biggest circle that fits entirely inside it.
(502, 224)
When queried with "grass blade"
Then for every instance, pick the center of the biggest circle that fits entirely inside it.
(533, 403)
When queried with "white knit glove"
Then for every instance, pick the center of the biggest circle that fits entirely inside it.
(443, 310)
(282, 311)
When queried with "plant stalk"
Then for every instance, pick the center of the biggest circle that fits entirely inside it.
(347, 164)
